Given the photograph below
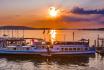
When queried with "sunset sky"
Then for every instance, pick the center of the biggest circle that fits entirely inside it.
(34, 13)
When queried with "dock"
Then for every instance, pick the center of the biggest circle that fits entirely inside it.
(99, 43)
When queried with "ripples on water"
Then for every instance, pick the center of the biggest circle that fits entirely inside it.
(27, 62)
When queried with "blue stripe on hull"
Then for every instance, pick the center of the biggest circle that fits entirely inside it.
(19, 52)
(53, 53)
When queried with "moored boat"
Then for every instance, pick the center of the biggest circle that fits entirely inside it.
(70, 48)
(21, 46)
(41, 47)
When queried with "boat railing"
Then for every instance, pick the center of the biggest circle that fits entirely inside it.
(71, 43)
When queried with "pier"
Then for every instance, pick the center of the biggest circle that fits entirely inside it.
(99, 43)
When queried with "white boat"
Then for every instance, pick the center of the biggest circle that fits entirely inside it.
(20, 46)
(40, 47)
(75, 47)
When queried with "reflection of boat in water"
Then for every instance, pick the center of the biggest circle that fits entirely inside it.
(68, 59)
(75, 47)
(72, 60)
(78, 60)
(21, 46)
(100, 50)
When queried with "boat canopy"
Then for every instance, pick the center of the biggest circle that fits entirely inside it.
(71, 43)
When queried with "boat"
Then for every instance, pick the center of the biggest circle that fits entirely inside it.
(42, 48)
(23, 46)
(72, 47)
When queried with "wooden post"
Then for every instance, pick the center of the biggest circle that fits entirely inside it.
(102, 42)
(88, 41)
(23, 33)
(44, 35)
(73, 36)
(95, 43)
(98, 41)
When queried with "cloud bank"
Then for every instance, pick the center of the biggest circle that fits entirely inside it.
(83, 11)
(85, 15)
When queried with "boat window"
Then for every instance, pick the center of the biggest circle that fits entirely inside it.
(78, 49)
(74, 49)
(32, 46)
(14, 48)
(86, 48)
(66, 49)
(27, 48)
(62, 49)
(43, 47)
(70, 49)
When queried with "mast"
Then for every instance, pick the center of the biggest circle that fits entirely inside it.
(23, 33)
(4, 31)
(44, 34)
(12, 31)
(98, 41)
(73, 36)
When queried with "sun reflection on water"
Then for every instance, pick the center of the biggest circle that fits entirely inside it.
(53, 35)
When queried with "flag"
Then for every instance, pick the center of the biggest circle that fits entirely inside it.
(48, 32)
(44, 31)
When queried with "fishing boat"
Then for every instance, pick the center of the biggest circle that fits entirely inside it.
(74, 47)
(21, 46)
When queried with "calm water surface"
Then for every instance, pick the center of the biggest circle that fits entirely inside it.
(18, 62)
(12, 62)
(61, 35)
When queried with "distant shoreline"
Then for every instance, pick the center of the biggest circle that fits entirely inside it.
(30, 28)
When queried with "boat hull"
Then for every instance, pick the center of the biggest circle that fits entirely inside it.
(73, 53)
(45, 53)
(22, 52)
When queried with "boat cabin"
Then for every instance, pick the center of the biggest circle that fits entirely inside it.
(22, 44)
(71, 46)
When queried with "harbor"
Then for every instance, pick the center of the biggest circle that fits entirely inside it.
(41, 46)
(47, 54)
(51, 35)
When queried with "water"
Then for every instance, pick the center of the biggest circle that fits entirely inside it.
(27, 62)
(61, 35)
(30, 62)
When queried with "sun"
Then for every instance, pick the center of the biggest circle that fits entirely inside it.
(53, 12)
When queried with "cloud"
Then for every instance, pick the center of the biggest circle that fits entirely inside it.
(82, 11)
(74, 19)
(85, 19)
(83, 15)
